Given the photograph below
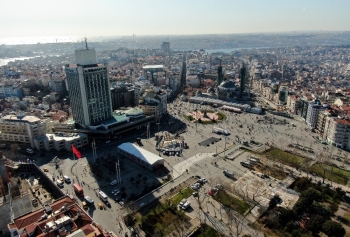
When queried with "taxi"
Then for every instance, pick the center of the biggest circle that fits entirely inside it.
(100, 205)
(85, 206)
(46, 170)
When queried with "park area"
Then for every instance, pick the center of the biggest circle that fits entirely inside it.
(230, 201)
(322, 169)
(331, 172)
(162, 220)
(206, 231)
(286, 158)
(185, 193)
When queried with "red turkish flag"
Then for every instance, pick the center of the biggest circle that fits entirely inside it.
(76, 152)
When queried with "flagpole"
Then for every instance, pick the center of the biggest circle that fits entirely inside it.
(74, 157)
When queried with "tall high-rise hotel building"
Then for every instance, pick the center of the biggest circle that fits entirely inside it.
(89, 89)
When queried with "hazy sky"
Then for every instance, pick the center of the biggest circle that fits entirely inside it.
(37, 18)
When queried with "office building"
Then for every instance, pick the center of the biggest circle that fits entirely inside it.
(89, 89)
(165, 47)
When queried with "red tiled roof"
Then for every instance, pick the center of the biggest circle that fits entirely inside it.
(33, 217)
(343, 107)
(343, 121)
(88, 229)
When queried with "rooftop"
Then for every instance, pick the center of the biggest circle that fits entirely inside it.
(23, 118)
(153, 67)
(343, 121)
(134, 111)
(140, 153)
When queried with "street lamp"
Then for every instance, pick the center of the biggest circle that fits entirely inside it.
(225, 148)
(158, 126)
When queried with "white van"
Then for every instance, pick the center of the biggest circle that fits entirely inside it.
(59, 183)
(66, 179)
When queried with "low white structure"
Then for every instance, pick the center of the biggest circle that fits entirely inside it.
(60, 141)
(141, 156)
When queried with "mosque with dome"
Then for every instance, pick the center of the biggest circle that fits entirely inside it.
(226, 90)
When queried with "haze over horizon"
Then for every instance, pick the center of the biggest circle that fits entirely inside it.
(40, 21)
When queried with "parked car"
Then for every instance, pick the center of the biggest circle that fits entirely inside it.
(195, 186)
(114, 182)
(184, 204)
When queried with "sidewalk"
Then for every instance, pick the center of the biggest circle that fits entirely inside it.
(163, 190)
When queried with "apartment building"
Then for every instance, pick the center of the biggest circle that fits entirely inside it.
(162, 96)
(321, 122)
(312, 114)
(282, 95)
(293, 104)
(139, 88)
(150, 106)
(63, 217)
(57, 83)
(338, 133)
(122, 96)
(21, 128)
(11, 90)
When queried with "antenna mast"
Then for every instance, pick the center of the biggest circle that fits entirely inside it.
(86, 46)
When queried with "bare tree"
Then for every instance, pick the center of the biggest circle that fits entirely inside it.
(234, 222)
(257, 187)
(14, 148)
(306, 166)
(131, 207)
(179, 227)
(201, 198)
(324, 159)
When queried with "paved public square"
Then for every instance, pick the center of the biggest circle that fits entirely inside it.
(205, 161)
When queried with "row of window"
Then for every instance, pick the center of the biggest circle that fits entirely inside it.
(14, 138)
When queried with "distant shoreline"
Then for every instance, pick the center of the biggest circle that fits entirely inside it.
(5, 61)
(229, 50)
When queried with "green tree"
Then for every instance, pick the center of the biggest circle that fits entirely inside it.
(311, 195)
(302, 184)
(333, 229)
(285, 216)
(289, 227)
(315, 224)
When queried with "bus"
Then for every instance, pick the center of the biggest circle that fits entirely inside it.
(78, 190)
(103, 196)
(220, 131)
(246, 164)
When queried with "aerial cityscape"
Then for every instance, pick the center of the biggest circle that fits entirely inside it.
(169, 128)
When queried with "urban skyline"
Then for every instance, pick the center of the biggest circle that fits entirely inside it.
(73, 19)
(175, 118)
